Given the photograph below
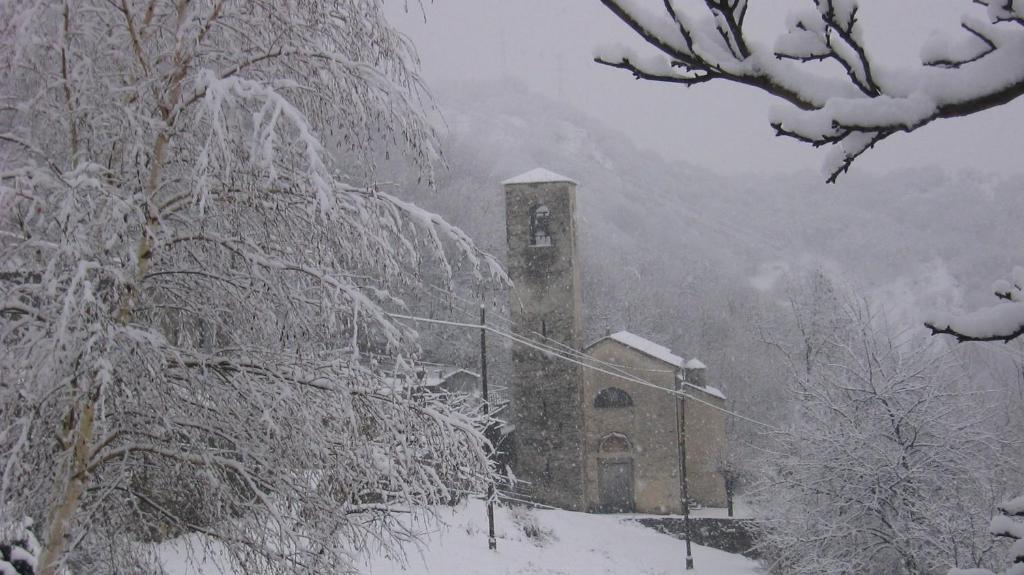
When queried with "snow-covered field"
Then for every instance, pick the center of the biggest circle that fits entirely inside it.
(573, 543)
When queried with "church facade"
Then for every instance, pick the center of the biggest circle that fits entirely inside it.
(607, 437)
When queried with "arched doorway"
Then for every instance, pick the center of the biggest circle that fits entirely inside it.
(615, 475)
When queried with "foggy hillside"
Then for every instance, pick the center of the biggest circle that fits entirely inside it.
(677, 237)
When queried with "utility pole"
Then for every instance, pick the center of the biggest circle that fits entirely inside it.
(492, 543)
(681, 406)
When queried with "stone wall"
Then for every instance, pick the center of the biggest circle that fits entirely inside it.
(652, 426)
(546, 301)
(727, 534)
(649, 425)
(705, 447)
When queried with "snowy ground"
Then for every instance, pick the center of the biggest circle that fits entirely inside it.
(581, 544)
(577, 544)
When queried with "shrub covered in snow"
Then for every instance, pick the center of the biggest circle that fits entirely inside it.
(526, 520)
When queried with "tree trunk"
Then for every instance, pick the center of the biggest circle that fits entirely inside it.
(78, 474)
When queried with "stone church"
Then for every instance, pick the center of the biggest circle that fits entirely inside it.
(586, 439)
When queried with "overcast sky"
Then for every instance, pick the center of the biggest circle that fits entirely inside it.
(548, 45)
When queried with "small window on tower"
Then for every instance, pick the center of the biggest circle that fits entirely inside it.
(540, 217)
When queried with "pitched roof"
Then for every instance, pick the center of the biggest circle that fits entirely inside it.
(695, 364)
(645, 346)
(441, 376)
(538, 176)
(708, 389)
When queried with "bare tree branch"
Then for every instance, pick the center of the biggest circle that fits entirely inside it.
(962, 337)
(945, 87)
(641, 74)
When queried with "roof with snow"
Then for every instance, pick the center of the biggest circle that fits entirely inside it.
(708, 389)
(538, 176)
(695, 364)
(439, 376)
(644, 346)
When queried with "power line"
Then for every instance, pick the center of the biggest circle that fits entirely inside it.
(631, 378)
(550, 350)
(454, 295)
(575, 352)
(437, 321)
(558, 354)
(584, 357)
(567, 349)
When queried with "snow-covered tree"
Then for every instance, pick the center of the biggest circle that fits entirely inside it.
(886, 467)
(864, 101)
(1008, 523)
(818, 321)
(191, 281)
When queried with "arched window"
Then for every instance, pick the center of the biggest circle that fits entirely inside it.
(614, 443)
(612, 397)
(540, 235)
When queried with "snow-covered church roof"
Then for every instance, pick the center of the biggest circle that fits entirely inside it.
(646, 346)
(538, 176)
(708, 389)
(695, 364)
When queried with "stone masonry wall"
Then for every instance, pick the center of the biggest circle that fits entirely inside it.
(546, 298)
(705, 446)
(727, 534)
(649, 424)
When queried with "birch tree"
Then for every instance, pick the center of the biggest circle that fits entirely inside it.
(191, 279)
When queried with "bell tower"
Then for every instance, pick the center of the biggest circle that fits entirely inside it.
(540, 220)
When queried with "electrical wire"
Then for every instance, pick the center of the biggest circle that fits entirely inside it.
(633, 379)
(567, 349)
(552, 351)
(579, 358)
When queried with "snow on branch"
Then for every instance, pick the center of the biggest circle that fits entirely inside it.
(484, 265)
(980, 69)
(1001, 322)
(1006, 524)
(944, 52)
